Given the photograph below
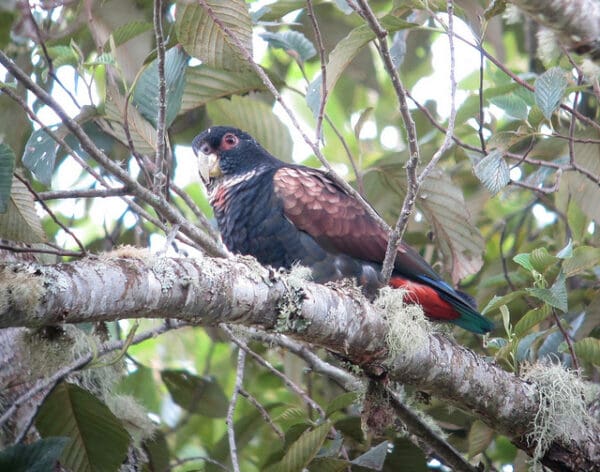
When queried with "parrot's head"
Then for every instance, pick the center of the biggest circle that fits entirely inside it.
(227, 151)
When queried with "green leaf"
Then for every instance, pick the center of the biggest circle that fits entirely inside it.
(293, 42)
(497, 301)
(157, 450)
(98, 440)
(204, 39)
(291, 416)
(555, 296)
(328, 464)
(480, 437)
(40, 456)
(204, 84)
(21, 222)
(406, 456)
(512, 105)
(584, 258)
(530, 319)
(541, 259)
(142, 132)
(202, 395)
(340, 402)
(578, 221)
(7, 166)
(493, 171)
(63, 55)
(342, 55)
(588, 349)
(524, 261)
(145, 96)
(549, 90)
(40, 155)
(303, 450)
(128, 31)
(256, 118)
(374, 458)
(142, 386)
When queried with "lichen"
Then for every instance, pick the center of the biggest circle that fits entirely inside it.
(21, 290)
(289, 308)
(562, 413)
(408, 328)
(164, 273)
(132, 415)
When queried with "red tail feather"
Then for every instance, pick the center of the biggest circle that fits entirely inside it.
(433, 306)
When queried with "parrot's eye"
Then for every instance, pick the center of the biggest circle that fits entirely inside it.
(230, 140)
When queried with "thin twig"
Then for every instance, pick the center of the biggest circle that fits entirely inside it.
(263, 412)
(159, 161)
(239, 380)
(323, 60)
(567, 340)
(82, 193)
(265, 363)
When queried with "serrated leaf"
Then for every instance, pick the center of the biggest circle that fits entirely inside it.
(128, 31)
(21, 221)
(530, 319)
(98, 440)
(62, 55)
(498, 301)
(7, 166)
(524, 261)
(203, 39)
(303, 450)
(256, 118)
(204, 84)
(142, 132)
(40, 155)
(512, 105)
(40, 456)
(555, 296)
(202, 395)
(588, 349)
(293, 42)
(374, 458)
(340, 402)
(146, 94)
(541, 259)
(480, 437)
(443, 206)
(291, 416)
(549, 90)
(493, 171)
(584, 258)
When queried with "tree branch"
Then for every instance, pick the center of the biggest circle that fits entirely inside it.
(209, 291)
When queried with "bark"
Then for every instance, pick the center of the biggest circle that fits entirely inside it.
(208, 291)
(575, 22)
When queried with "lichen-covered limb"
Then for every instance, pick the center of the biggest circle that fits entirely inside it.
(575, 22)
(207, 291)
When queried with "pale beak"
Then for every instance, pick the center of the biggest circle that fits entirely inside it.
(208, 166)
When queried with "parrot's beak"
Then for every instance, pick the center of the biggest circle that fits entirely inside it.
(208, 166)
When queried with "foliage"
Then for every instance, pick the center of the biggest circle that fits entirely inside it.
(511, 209)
